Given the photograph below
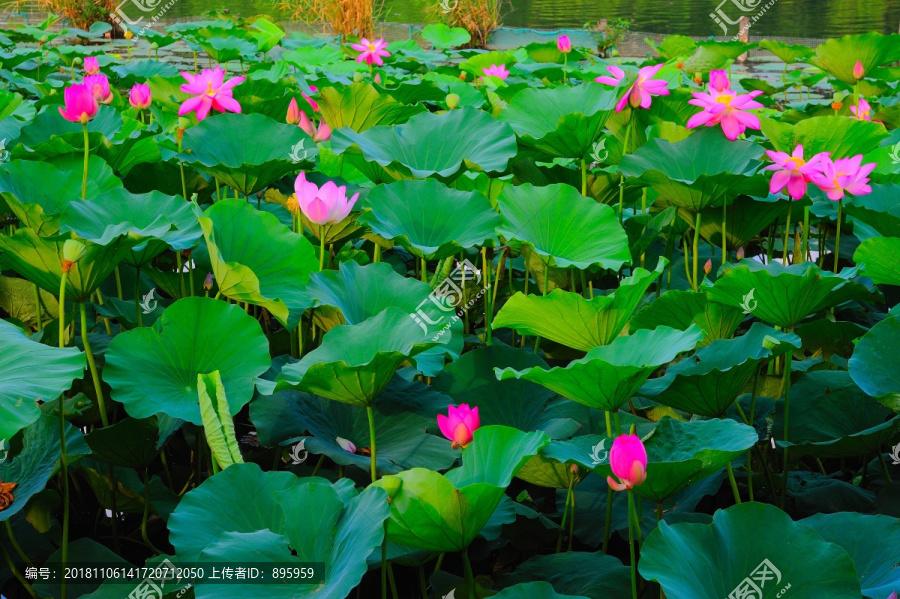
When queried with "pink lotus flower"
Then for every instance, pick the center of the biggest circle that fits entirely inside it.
(718, 80)
(563, 44)
(858, 70)
(740, 253)
(617, 76)
(91, 66)
(862, 111)
(459, 425)
(323, 133)
(293, 113)
(312, 103)
(725, 107)
(326, 205)
(793, 172)
(372, 52)
(80, 104)
(496, 71)
(208, 281)
(99, 86)
(628, 460)
(707, 268)
(140, 96)
(346, 444)
(642, 92)
(845, 175)
(211, 91)
(893, 595)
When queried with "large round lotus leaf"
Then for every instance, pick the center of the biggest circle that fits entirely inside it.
(785, 295)
(880, 209)
(258, 260)
(681, 309)
(564, 227)
(247, 152)
(710, 381)
(563, 121)
(446, 512)
(873, 543)
(162, 220)
(50, 135)
(431, 144)
(610, 374)
(749, 550)
(533, 590)
(881, 257)
(837, 57)
(245, 515)
(577, 573)
(361, 292)
(787, 53)
(875, 364)
(429, 219)
(39, 260)
(833, 418)
(39, 460)
(678, 453)
(442, 36)
(568, 318)
(37, 192)
(697, 172)
(403, 413)
(359, 107)
(839, 135)
(20, 359)
(355, 363)
(154, 369)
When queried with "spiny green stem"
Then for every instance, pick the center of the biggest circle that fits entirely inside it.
(87, 154)
(734, 487)
(95, 375)
(696, 250)
(15, 544)
(788, 358)
(470, 577)
(631, 546)
(374, 464)
(837, 239)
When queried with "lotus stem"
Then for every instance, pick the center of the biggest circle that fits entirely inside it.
(787, 234)
(566, 69)
(884, 468)
(423, 270)
(62, 308)
(105, 319)
(784, 81)
(323, 231)
(15, 544)
(37, 307)
(537, 339)
(180, 268)
(572, 517)
(659, 511)
(696, 251)
(788, 358)
(488, 305)
(423, 585)
(137, 297)
(609, 494)
(98, 389)
(64, 460)
(724, 232)
(583, 177)
(631, 545)
(470, 577)
(805, 245)
(837, 239)
(562, 525)
(118, 282)
(734, 487)
(146, 515)
(12, 567)
(622, 176)
(371, 414)
(181, 169)
(87, 155)
(376, 258)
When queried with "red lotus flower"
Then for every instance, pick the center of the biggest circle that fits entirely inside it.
(80, 104)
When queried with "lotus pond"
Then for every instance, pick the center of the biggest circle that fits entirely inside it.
(308, 319)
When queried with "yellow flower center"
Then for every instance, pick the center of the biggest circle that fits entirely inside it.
(209, 89)
(725, 99)
(798, 162)
(371, 48)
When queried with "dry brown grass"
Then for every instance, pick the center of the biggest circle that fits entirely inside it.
(478, 17)
(343, 17)
(81, 13)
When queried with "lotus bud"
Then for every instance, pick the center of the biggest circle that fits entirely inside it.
(563, 44)
(452, 101)
(858, 70)
(357, 77)
(459, 424)
(184, 123)
(73, 251)
(698, 79)
(378, 78)
(707, 268)
(346, 444)
(208, 281)
(91, 66)
(740, 253)
(462, 75)
(679, 65)
(628, 460)
(837, 105)
(293, 113)
(128, 34)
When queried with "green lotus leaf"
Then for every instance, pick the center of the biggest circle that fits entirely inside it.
(90, 553)
(881, 257)
(784, 295)
(428, 218)
(875, 366)
(39, 460)
(876, 558)
(258, 260)
(154, 369)
(361, 292)
(50, 135)
(359, 107)
(533, 590)
(705, 59)
(564, 228)
(19, 300)
(610, 374)
(446, 512)
(787, 53)
(247, 152)
(31, 372)
(37, 192)
(564, 121)
(138, 71)
(568, 318)
(355, 362)
(39, 260)
(442, 36)
(576, 573)
(403, 412)
(710, 381)
(164, 220)
(748, 544)
(430, 144)
(224, 49)
(880, 209)
(266, 33)
(839, 135)
(832, 417)
(837, 57)
(697, 172)
(681, 309)
(129, 443)
(218, 426)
